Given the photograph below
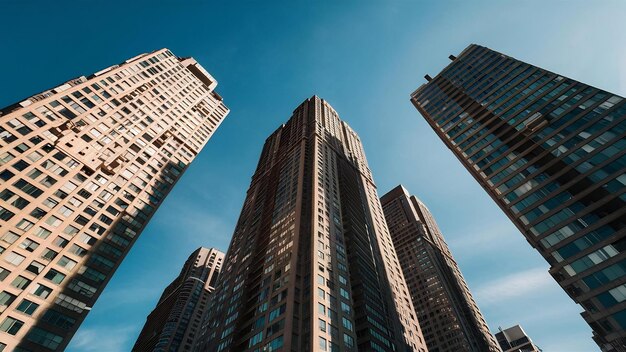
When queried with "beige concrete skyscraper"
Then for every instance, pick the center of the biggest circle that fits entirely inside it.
(83, 167)
(176, 321)
(448, 314)
(311, 266)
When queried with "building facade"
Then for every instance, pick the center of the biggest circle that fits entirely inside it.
(514, 339)
(177, 319)
(448, 315)
(83, 167)
(551, 152)
(311, 265)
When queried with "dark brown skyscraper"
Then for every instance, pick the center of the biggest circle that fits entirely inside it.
(448, 315)
(311, 266)
(176, 321)
(551, 152)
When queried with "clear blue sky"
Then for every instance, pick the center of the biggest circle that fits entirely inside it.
(365, 58)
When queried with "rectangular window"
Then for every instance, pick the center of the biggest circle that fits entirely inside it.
(55, 276)
(41, 233)
(10, 237)
(14, 258)
(4, 273)
(27, 307)
(11, 326)
(44, 338)
(66, 263)
(58, 319)
(42, 291)
(20, 282)
(48, 254)
(6, 298)
(35, 267)
(29, 245)
(28, 188)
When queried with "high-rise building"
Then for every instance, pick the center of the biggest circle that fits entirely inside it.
(448, 315)
(311, 265)
(551, 152)
(83, 167)
(176, 320)
(514, 339)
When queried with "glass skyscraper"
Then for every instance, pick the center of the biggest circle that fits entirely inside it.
(83, 167)
(551, 152)
(311, 265)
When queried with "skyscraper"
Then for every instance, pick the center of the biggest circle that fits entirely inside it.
(551, 152)
(449, 317)
(514, 339)
(83, 167)
(176, 320)
(311, 265)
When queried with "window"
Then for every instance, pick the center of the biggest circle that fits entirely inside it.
(24, 225)
(44, 338)
(61, 320)
(348, 341)
(65, 211)
(28, 188)
(6, 175)
(322, 325)
(34, 173)
(321, 308)
(6, 157)
(6, 298)
(70, 230)
(54, 276)
(274, 345)
(345, 307)
(38, 213)
(86, 239)
(35, 267)
(79, 251)
(10, 237)
(4, 273)
(61, 242)
(323, 344)
(66, 263)
(277, 312)
(42, 291)
(48, 254)
(41, 233)
(347, 323)
(54, 221)
(20, 282)
(27, 307)
(255, 339)
(6, 214)
(11, 326)
(29, 245)
(21, 165)
(14, 258)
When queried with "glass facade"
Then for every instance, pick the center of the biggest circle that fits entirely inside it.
(551, 152)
